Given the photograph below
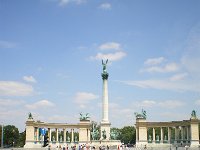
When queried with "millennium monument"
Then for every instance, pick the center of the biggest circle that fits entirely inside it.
(106, 136)
(105, 124)
(63, 134)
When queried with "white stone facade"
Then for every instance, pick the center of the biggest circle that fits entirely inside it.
(35, 140)
(186, 132)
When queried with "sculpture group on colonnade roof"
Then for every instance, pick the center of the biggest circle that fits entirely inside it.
(30, 116)
(84, 117)
(193, 114)
(143, 115)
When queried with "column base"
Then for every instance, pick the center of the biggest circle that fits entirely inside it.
(105, 126)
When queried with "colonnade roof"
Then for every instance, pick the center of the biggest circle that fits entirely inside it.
(166, 124)
(40, 124)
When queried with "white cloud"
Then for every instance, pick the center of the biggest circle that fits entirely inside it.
(9, 102)
(83, 98)
(65, 2)
(154, 61)
(110, 56)
(110, 46)
(170, 115)
(40, 104)
(170, 67)
(105, 6)
(116, 52)
(6, 44)
(178, 77)
(60, 118)
(117, 112)
(165, 104)
(171, 104)
(165, 84)
(190, 58)
(29, 79)
(197, 102)
(145, 104)
(12, 88)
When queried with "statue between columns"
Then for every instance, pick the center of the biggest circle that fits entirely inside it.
(104, 134)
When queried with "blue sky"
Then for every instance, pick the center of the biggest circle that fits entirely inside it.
(51, 52)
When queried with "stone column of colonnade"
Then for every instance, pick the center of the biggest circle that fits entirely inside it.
(37, 133)
(64, 136)
(182, 138)
(187, 130)
(136, 135)
(49, 133)
(161, 135)
(57, 135)
(169, 134)
(176, 135)
(72, 137)
(154, 139)
(162, 139)
(182, 134)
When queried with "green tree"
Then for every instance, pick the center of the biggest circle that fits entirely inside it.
(21, 139)
(127, 134)
(11, 135)
(0, 133)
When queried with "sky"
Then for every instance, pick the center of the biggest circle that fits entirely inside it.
(51, 52)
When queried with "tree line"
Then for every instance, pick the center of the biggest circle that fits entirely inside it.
(12, 137)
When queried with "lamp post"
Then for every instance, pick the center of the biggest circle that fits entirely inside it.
(2, 137)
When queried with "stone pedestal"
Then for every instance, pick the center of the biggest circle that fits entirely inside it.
(194, 130)
(30, 135)
(105, 127)
(141, 126)
(84, 132)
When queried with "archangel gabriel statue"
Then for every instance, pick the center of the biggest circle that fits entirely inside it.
(104, 65)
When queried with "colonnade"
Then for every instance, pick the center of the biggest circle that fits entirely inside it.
(64, 133)
(64, 137)
(184, 132)
(180, 134)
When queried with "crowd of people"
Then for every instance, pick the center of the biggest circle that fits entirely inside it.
(88, 147)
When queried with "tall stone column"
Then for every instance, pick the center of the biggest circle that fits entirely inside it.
(105, 100)
(105, 124)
